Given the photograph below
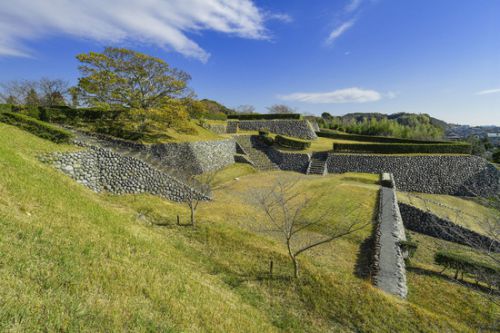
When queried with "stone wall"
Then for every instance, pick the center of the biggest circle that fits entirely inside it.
(195, 157)
(454, 175)
(216, 128)
(297, 128)
(390, 271)
(297, 162)
(183, 158)
(429, 224)
(103, 170)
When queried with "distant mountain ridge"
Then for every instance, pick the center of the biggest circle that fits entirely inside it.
(401, 117)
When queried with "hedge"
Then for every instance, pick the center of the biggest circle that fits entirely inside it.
(293, 143)
(36, 127)
(463, 264)
(5, 107)
(402, 148)
(70, 115)
(325, 133)
(267, 116)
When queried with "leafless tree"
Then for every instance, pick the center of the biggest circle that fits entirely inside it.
(281, 108)
(245, 109)
(16, 92)
(53, 91)
(201, 190)
(284, 205)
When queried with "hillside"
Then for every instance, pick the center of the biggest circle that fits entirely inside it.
(73, 260)
(401, 117)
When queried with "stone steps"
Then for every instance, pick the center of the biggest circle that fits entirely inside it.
(257, 152)
(317, 165)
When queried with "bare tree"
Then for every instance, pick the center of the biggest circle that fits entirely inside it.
(201, 190)
(281, 108)
(245, 109)
(284, 205)
(16, 92)
(53, 91)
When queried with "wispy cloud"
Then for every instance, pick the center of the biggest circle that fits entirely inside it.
(352, 5)
(337, 32)
(165, 23)
(348, 95)
(489, 91)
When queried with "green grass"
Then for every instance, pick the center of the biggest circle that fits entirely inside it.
(467, 213)
(73, 260)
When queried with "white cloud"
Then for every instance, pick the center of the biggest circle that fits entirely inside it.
(348, 95)
(489, 91)
(352, 5)
(285, 18)
(337, 32)
(164, 23)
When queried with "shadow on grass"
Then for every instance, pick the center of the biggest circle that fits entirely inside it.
(364, 268)
(478, 287)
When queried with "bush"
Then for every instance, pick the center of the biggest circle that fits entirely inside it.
(36, 127)
(462, 264)
(293, 143)
(496, 156)
(402, 148)
(267, 116)
(5, 107)
(264, 132)
(408, 248)
(215, 116)
(267, 140)
(325, 133)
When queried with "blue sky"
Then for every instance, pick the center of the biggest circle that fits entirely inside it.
(440, 57)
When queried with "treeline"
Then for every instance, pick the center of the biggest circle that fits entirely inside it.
(415, 126)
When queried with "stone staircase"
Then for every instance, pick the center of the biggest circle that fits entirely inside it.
(256, 151)
(317, 165)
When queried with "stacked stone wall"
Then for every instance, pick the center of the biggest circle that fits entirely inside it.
(296, 128)
(441, 174)
(103, 170)
(429, 224)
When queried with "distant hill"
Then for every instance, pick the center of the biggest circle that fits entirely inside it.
(403, 118)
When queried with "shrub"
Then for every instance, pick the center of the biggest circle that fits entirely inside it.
(293, 143)
(215, 116)
(5, 107)
(36, 127)
(408, 248)
(267, 140)
(402, 148)
(267, 116)
(462, 264)
(264, 132)
(369, 138)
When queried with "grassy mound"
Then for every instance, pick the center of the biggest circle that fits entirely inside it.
(73, 260)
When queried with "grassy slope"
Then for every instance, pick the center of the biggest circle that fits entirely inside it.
(76, 261)
(458, 210)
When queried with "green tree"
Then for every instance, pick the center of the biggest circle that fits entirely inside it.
(74, 92)
(127, 78)
(496, 156)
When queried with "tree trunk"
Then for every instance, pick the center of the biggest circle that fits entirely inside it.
(295, 267)
(293, 258)
(192, 215)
